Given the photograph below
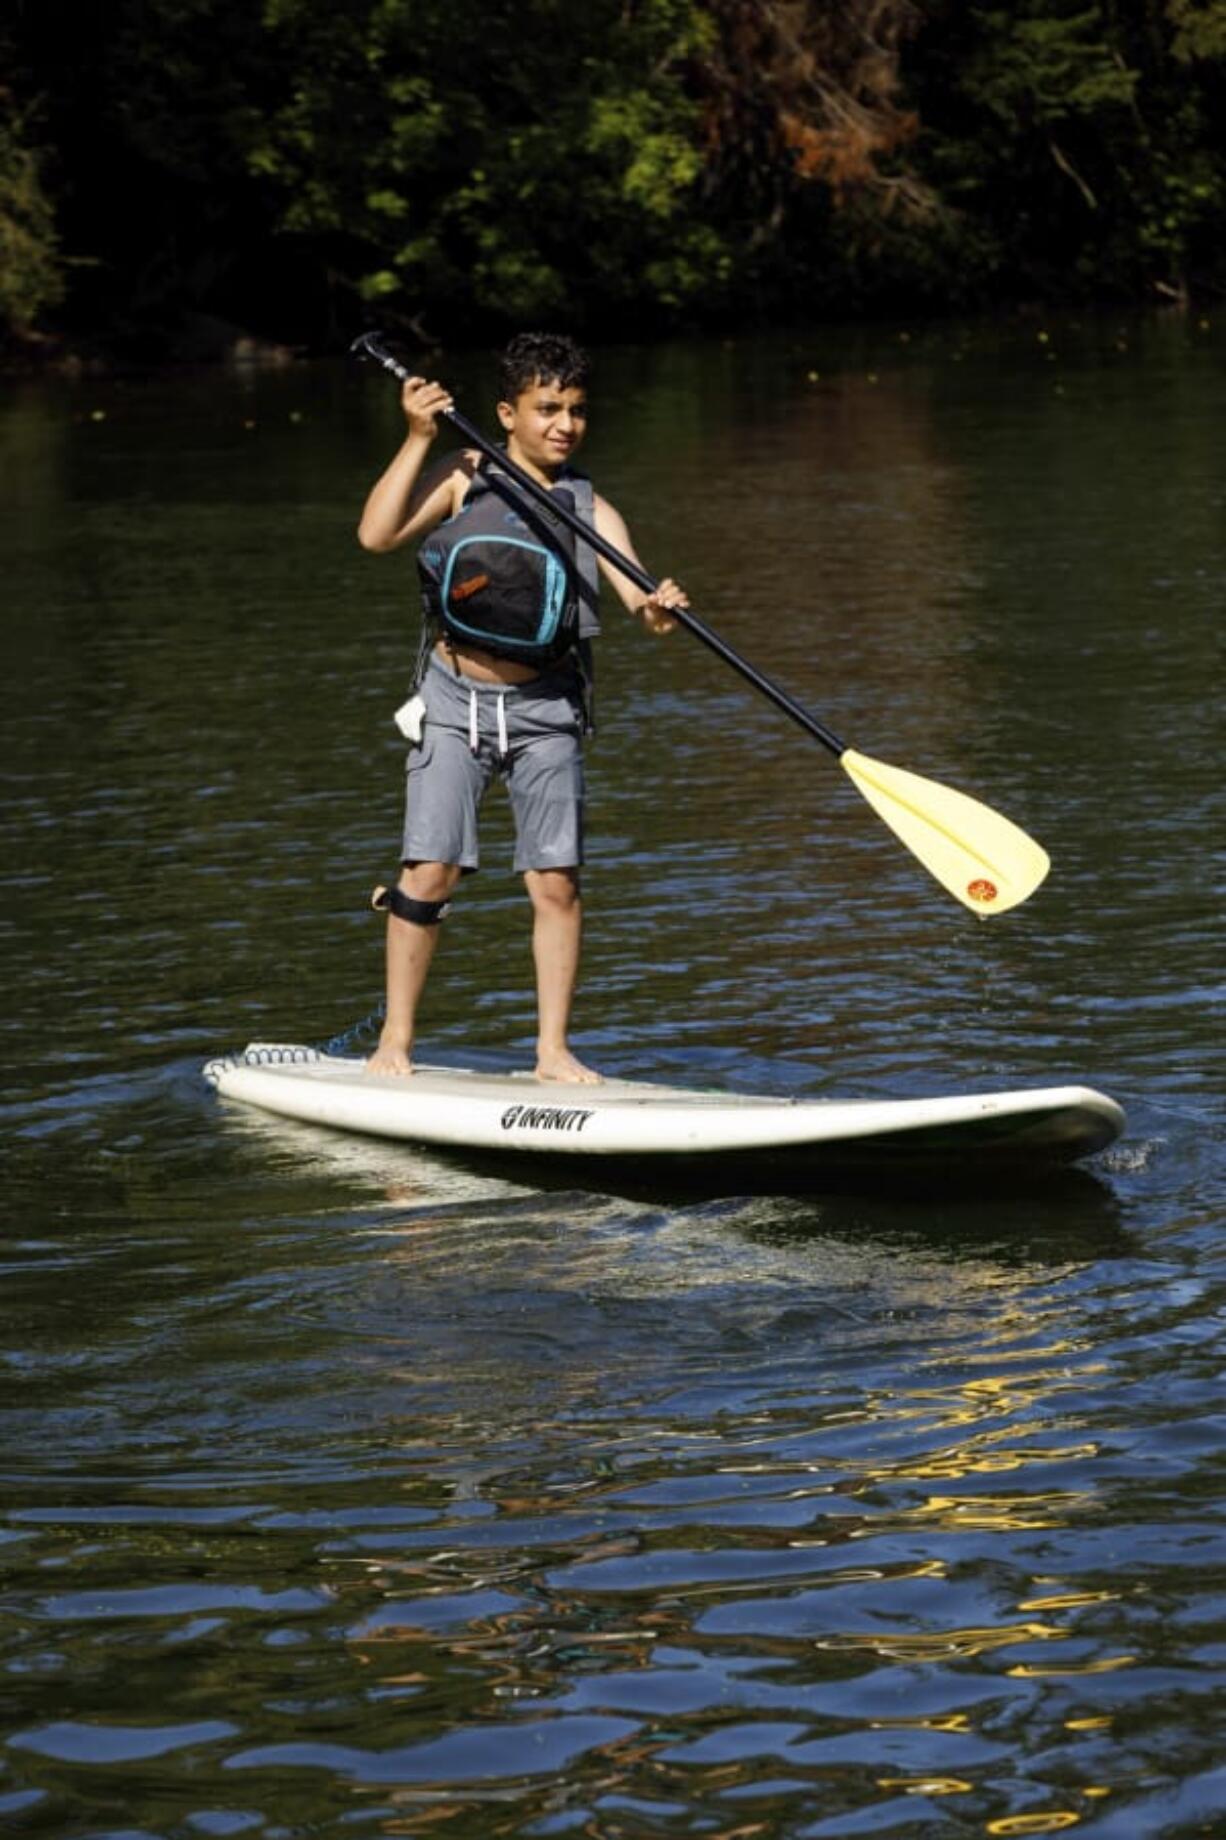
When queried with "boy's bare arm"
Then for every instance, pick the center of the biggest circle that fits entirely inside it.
(654, 608)
(403, 503)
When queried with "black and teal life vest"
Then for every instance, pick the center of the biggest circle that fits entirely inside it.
(503, 574)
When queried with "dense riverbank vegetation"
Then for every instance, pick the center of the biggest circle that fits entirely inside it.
(175, 172)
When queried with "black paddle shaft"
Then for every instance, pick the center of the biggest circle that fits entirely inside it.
(369, 345)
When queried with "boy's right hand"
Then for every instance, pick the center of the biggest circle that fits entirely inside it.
(423, 402)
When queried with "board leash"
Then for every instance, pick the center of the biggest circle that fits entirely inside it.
(276, 1054)
(362, 1031)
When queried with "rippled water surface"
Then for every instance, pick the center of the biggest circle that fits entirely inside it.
(352, 1491)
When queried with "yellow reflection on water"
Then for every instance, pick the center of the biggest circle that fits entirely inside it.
(926, 1785)
(1109, 1664)
(976, 1459)
(1049, 1822)
(997, 1395)
(1068, 1600)
(1010, 1513)
(957, 1722)
(940, 1645)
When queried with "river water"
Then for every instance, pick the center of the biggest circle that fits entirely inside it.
(348, 1491)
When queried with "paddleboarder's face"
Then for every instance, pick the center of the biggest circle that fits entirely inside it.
(544, 424)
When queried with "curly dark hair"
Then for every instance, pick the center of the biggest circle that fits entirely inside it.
(542, 357)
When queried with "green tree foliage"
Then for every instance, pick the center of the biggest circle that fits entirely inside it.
(145, 105)
(1077, 147)
(810, 142)
(1200, 30)
(294, 166)
(31, 271)
(532, 159)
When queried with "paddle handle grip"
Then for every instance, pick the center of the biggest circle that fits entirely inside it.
(369, 345)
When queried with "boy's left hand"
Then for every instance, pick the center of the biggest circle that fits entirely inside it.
(655, 609)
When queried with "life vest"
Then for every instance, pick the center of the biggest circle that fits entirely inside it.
(503, 574)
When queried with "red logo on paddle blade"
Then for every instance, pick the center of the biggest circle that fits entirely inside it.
(982, 890)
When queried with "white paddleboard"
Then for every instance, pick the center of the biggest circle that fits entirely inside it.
(668, 1128)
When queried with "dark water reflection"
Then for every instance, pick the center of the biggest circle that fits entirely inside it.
(350, 1490)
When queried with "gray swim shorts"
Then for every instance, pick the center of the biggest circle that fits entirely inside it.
(531, 735)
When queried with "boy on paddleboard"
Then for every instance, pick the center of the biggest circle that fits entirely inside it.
(510, 598)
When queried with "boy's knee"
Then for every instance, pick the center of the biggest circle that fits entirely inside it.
(429, 881)
(555, 889)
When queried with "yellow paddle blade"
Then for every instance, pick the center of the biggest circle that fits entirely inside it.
(986, 862)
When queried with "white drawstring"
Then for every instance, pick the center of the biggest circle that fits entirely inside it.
(474, 735)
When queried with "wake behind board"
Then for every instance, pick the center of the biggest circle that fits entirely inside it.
(674, 1131)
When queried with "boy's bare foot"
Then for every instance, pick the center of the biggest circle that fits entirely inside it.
(560, 1064)
(390, 1057)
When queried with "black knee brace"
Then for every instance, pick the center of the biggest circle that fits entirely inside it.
(421, 913)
